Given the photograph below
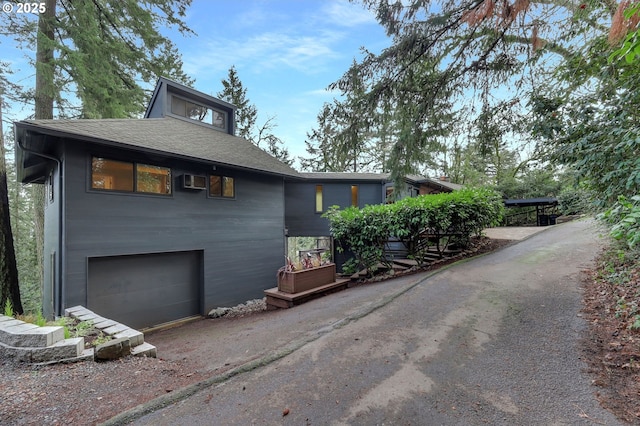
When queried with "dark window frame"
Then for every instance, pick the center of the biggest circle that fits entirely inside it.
(212, 111)
(224, 179)
(135, 177)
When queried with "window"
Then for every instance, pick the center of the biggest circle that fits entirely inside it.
(50, 187)
(219, 119)
(354, 195)
(389, 194)
(318, 198)
(222, 186)
(112, 175)
(153, 179)
(198, 112)
(178, 106)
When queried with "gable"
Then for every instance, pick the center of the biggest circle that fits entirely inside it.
(171, 99)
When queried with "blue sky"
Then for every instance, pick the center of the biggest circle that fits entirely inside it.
(286, 53)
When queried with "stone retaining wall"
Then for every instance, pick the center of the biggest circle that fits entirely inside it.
(24, 342)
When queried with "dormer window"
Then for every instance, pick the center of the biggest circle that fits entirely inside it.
(199, 112)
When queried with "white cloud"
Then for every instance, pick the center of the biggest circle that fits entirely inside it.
(348, 14)
(306, 54)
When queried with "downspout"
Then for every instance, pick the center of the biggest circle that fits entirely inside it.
(60, 224)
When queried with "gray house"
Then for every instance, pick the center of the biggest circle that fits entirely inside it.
(155, 219)
(166, 217)
(307, 199)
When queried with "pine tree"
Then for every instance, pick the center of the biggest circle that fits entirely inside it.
(9, 289)
(246, 113)
(319, 145)
(262, 136)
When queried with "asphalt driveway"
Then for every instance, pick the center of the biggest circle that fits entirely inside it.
(494, 340)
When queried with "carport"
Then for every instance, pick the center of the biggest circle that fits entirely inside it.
(542, 205)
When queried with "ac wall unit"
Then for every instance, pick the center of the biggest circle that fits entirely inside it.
(194, 182)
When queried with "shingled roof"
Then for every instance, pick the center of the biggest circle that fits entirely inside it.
(383, 177)
(169, 136)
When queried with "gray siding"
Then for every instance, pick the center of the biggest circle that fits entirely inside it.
(300, 216)
(157, 109)
(242, 240)
(51, 288)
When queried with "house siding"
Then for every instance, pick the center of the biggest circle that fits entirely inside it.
(159, 101)
(301, 219)
(51, 288)
(242, 239)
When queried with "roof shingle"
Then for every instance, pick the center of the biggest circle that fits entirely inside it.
(171, 136)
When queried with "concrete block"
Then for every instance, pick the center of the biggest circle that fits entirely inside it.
(135, 337)
(86, 317)
(54, 334)
(10, 323)
(76, 310)
(28, 335)
(86, 355)
(68, 348)
(4, 318)
(145, 349)
(117, 328)
(98, 319)
(23, 327)
(14, 354)
(106, 323)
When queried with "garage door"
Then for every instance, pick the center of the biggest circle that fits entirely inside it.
(145, 290)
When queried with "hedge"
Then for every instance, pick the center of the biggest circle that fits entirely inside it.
(441, 219)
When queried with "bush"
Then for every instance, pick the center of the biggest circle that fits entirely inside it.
(575, 201)
(443, 218)
(624, 218)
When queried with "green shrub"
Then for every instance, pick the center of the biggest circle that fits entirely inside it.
(575, 201)
(624, 218)
(447, 218)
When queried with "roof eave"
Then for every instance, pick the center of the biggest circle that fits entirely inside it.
(85, 138)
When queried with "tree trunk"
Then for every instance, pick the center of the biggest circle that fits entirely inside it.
(44, 95)
(9, 289)
(45, 88)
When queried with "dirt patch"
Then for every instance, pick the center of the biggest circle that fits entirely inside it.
(612, 348)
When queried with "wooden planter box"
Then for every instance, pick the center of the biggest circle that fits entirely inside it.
(307, 279)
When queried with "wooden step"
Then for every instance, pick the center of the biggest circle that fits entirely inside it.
(279, 299)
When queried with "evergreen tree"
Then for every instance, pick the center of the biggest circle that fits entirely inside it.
(247, 117)
(444, 52)
(246, 113)
(354, 120)
(323, 153)
(103, 53)
(9, 288)
(98, 58)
